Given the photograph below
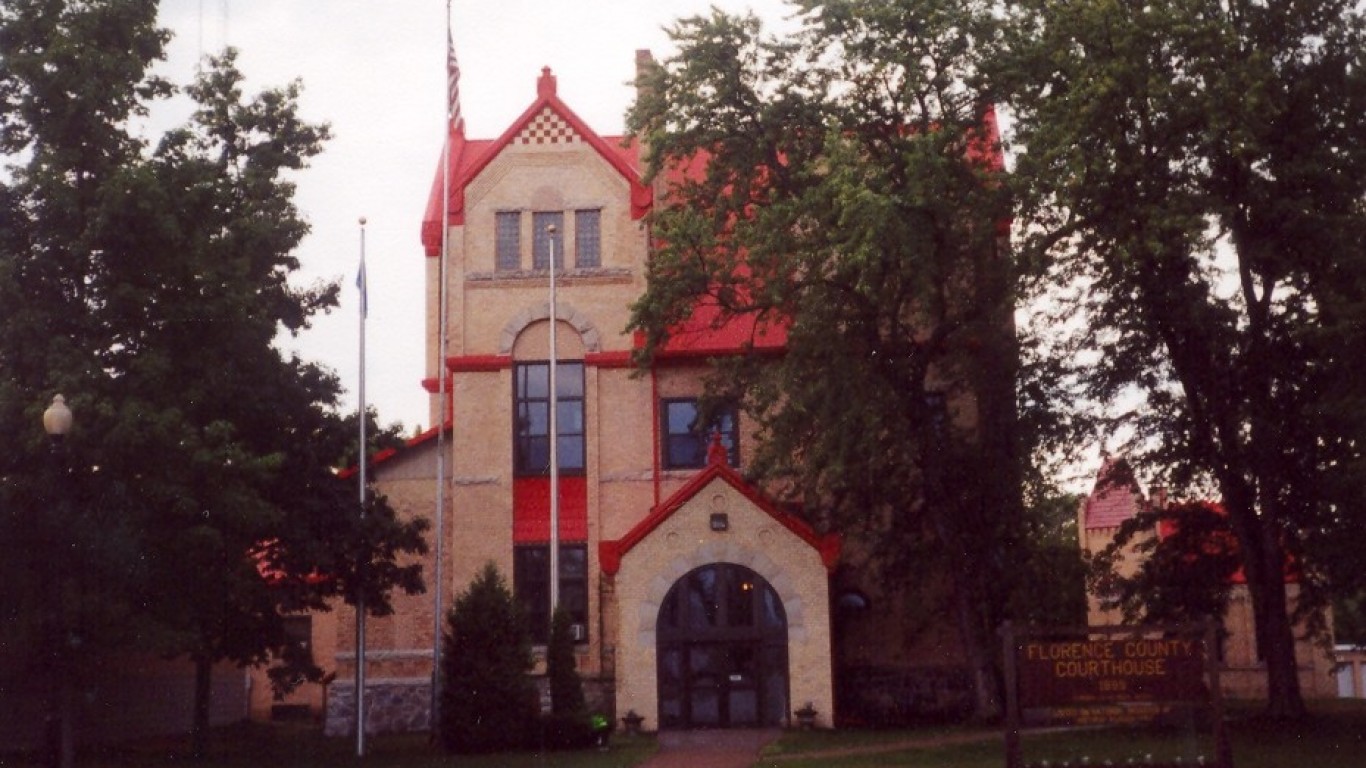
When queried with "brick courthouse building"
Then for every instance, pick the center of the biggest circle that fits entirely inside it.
(696, 600)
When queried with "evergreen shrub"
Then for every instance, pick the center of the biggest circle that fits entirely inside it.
(488, 703)
(566, 687)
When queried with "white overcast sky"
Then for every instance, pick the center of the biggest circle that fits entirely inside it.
(375, 70)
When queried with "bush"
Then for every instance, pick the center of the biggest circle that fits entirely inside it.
(572, 730)
(487, 701)
(566, 687)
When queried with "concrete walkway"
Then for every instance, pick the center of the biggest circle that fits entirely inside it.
(710, 749)
(740, 748)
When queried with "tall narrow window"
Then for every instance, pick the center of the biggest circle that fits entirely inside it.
(531, 583)
(588, 238)
(686, 438)
(531, 453)
(541, 222)
(508, 240)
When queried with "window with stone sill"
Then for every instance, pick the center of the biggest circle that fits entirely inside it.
(508, 240)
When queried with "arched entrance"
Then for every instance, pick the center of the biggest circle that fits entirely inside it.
(722, 651)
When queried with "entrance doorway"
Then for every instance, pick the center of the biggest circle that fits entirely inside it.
(722, 651)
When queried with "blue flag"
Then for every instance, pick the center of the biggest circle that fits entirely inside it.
(360, 284)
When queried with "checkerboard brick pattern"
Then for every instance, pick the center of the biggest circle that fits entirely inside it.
(547, 128)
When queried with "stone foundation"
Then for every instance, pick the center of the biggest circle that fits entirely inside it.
(391, 706)
(883, 696)
(401, 705)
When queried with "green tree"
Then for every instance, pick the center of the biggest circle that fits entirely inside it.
(1050, 588)
(1196, 168)
(1349, 620)
(70, 570)
(850, 198)
(199, 497)
(487, 702)
(260, 438)
(1184, 575)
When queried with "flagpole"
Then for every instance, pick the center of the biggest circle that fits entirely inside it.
(453, 124)
(360, 564)
(554, 442)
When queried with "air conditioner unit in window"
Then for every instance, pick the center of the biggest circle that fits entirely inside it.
(578, 631)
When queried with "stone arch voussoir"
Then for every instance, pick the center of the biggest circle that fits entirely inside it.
(736, 554)
(588, 332)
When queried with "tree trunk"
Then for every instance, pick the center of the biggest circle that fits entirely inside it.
(986, 703)
(1264, 566)
(67, 737)
(199, 731)
(1271, 613)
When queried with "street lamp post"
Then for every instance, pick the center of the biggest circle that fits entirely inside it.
(57, 423)
(57, 418)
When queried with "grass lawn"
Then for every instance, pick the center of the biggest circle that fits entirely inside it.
(290, 746)
(1334, 737)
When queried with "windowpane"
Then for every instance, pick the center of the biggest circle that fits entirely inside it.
(588, 238)
(573, 597)
(703, 602)
(531, 581)
(534, 419)
(739, 600)
(668, 612)
(541, 222)
(508, 235)
(531, 455)
(686, 439)
(570, 456)
(570, 417)
(681, 414)
(568, 380)
(773, 609)
(574, 561)
(535, 380)
(684, 451)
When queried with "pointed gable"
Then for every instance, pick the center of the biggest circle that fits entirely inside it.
(611, 552)
(547, 122)
(1115, 498)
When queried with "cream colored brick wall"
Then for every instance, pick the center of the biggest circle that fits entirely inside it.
(399, 645)
(755, 540)
(311, 695)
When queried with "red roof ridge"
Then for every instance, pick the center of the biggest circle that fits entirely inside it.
(611, 552)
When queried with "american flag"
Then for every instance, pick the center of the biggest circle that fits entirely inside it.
(453, 87)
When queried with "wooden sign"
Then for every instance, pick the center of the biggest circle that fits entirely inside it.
(1126, 676)
(1088, 671)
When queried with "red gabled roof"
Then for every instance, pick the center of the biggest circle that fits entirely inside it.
(469, 158)
(611, 552)
(388, 453)
(710, 333)
(1115, 498)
